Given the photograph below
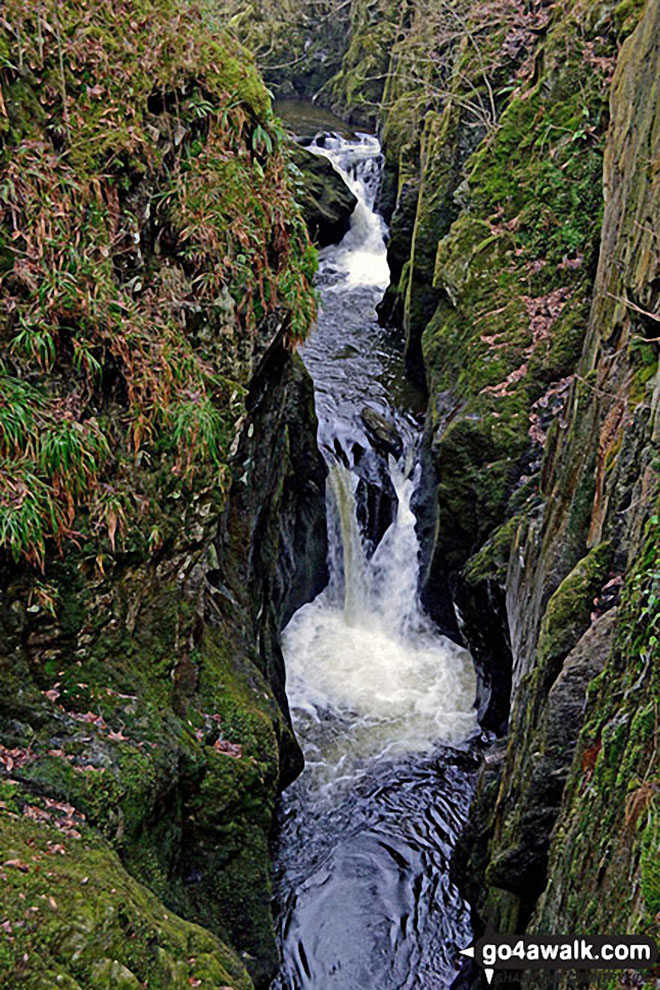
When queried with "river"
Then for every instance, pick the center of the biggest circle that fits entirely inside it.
(382, 703)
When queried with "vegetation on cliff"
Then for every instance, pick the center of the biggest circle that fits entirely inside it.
(151, 252)
(146, 199)
(534, 299)
(151, 255)
(521, 144)
(298, 46)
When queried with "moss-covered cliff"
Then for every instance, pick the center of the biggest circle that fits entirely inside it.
(521, 141)
(298, 45)
(153, 260)
(527, 265)
(607, 822)
(161, 485)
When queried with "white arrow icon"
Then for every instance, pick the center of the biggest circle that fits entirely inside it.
(489, 972)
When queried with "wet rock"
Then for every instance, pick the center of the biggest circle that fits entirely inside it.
(277, 509)
(375, 509)
(402, 228)
(383, 434)
(327, 202)
(470, 856)
(483, 626)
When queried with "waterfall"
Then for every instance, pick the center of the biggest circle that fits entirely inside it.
(362, 254)
(348, 567)
(364, 653)
(381, 702)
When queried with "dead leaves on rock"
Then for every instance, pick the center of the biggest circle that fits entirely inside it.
(543, 313)
(63, 816)
(220, 745)
(15, 758)
(545, 408)
(95, 720)
(17, 864)
(228, 748)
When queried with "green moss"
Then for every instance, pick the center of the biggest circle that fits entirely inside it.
(172, 758)
(492, 560)
(626, 16)
(609, 821)
(357, 89)
(649, 863)
(511, 275)
(567, 613)
(148, 179)
(76, 919)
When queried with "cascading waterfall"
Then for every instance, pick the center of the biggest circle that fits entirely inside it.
(362, 255)
(348, 570)
(365, 650)
(382, 704)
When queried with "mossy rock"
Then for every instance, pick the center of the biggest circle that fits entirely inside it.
(326, 201)
(567, 613)
(492, 560)
(75, 918)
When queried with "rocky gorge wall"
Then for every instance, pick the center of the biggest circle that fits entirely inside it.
(540, 357)
(161, 510)
(522, 188)
(161, 497)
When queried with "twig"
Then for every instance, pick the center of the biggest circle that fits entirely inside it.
(637, 309)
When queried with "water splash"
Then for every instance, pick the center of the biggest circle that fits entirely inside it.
(363, 656)
(362, 255)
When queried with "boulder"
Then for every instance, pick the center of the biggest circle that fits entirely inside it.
(383, 434)
(326, 201)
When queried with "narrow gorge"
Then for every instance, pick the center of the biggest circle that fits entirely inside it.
(328, 496)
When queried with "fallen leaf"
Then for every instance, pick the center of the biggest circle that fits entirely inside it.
(228, 748)
(17, 864)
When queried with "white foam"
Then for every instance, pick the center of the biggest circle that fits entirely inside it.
(362, 255)
(363, 656)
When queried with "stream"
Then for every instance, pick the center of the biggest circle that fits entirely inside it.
(381, 702)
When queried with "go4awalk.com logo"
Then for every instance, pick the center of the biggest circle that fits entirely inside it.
(494, 952)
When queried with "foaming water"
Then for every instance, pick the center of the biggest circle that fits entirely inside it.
(382, 703)
(364, 653)
(362, 255)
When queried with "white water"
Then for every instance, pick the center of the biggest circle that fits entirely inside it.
(364, 896)
(367, 674)
(362, 255)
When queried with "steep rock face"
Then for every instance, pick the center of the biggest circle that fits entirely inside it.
(608, 820)
(276, 520)
(151, 701)
(600, 487)
(577, 784)
(299, 46)
(502, 254)
(540, 362)
(156, 275)
(356, 91)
